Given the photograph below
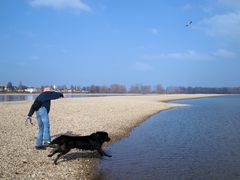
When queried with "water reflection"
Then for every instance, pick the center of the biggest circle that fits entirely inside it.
(5, 98)
(31, 97)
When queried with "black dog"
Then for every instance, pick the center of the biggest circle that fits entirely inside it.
(65, 143)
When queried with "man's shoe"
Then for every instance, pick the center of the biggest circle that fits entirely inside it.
(40, 147)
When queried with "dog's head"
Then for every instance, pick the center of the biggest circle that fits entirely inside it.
(102, 136)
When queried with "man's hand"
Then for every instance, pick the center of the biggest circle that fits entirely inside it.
(29, 119)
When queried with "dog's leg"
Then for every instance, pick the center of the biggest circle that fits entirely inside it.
(61, 154)
(105, 154)
(53, 152)
(102, 153)
(58, 156)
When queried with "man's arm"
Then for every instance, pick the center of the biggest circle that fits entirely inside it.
(35, 106)
(51, 95)
(56, 95)
(31, 111)
(29, 116)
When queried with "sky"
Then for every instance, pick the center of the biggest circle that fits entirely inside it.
(104, 42)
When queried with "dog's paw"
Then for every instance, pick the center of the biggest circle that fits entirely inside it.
(108, 155)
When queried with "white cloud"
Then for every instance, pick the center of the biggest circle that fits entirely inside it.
(230, 3)
(139, 66)
(154, 31)
(224, 54)
(189, 55)
(34, 58)
(187, 7)
(193, 55)
(76, 5)
(225, 25)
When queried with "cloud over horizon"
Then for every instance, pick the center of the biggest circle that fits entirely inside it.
(223, 25)
(139, 66)
(230, 3)
(193, 55)
(224, 21)
(76, 5)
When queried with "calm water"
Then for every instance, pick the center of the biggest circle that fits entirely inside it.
(5, 98)
(28, 97)
(201, 141)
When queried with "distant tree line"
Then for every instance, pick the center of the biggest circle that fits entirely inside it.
(119, 88)
(202, 90)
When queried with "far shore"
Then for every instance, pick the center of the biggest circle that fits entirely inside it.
(117, 115)
(82, 94)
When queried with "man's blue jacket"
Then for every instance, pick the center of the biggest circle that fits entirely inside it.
(44, 100)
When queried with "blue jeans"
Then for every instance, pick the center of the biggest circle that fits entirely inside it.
(43, 127)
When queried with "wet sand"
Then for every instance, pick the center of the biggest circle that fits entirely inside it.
(117, 115)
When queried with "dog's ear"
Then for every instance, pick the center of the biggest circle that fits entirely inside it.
(99, 137)
(102, 133)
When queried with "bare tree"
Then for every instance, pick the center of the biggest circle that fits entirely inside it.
(135, 89)
(117, 88)
(20, 86)
(159, 89)
(94, 89)
(10, 86)
(104, 89)
(145, 89)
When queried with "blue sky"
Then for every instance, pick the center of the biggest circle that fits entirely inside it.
(101, 42)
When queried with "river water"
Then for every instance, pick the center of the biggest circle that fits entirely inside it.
(31, 97)
(201, 141)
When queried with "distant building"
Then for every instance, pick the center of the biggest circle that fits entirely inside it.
(2, 88)
(31, 90)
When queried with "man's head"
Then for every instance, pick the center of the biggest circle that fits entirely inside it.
(45, 89)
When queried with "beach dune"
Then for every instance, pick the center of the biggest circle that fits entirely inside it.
(117, 115)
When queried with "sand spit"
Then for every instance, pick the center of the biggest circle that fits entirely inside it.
(117, 115)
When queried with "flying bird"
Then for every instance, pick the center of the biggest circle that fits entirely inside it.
(189, 24)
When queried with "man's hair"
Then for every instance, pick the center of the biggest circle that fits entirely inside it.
(45, 89)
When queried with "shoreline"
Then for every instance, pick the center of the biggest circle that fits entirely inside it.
(117, 115)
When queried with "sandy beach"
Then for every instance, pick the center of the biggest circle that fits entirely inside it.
(117, 115)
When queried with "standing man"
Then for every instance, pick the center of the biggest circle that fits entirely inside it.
(42, 107)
